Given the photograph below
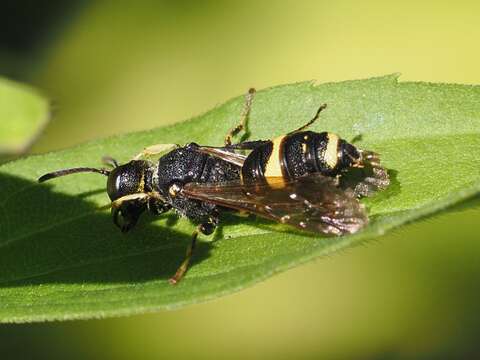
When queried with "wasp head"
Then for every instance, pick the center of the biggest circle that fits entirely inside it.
(128, 187)
(127, 179)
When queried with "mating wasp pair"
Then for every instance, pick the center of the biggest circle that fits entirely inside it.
(301, 179)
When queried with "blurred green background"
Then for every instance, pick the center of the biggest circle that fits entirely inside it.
(112, 67)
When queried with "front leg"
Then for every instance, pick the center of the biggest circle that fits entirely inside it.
(206, 228)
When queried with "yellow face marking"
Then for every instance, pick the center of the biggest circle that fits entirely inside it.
(331, 152)
(273, 168)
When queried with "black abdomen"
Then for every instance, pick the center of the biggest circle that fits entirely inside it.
(298, 154)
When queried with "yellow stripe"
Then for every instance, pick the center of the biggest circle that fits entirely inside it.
(141, 184)
(276, 182)
(304, 148)
(273, 167)
(117, 203)
(331, 152)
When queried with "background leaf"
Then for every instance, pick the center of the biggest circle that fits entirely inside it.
(23, 114)
(62, 259)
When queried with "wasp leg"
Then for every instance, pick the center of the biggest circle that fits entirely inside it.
(129, 207)
(303, 127)
(207, 229)
(243, 117)
(153, 150)
(356, 139)
(136, 196)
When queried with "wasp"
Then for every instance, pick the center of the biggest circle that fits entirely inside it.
(295, 179)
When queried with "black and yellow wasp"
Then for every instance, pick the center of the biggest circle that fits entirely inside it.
(296, 179)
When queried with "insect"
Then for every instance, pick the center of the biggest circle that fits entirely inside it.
(296, 179)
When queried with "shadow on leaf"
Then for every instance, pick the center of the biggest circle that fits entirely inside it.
(50, 237)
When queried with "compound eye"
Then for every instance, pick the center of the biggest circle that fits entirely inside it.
(125, 180)
(174, 189)
(113, 185)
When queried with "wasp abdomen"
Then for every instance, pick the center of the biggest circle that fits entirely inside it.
(255, 164)
(308, 152)
(298, 154)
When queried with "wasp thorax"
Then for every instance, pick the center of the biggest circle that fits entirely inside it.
(127, 179)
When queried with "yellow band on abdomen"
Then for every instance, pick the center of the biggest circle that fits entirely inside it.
(273, 167)
(331, 152)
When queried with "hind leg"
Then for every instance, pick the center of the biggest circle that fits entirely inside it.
(310, 122)
(243, 117)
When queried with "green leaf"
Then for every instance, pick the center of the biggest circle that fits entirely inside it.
(60, 258)
(23, 114)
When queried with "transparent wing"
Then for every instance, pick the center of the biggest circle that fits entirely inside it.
(311, 202)
(368, 179)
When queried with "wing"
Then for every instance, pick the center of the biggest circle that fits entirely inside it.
(224, 154)
(368, 179)
(229, 153)
(311, 202)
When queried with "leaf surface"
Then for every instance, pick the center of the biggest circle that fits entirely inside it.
(61, 258)
(23, 114)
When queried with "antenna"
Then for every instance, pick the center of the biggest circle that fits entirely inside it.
(64, 172)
